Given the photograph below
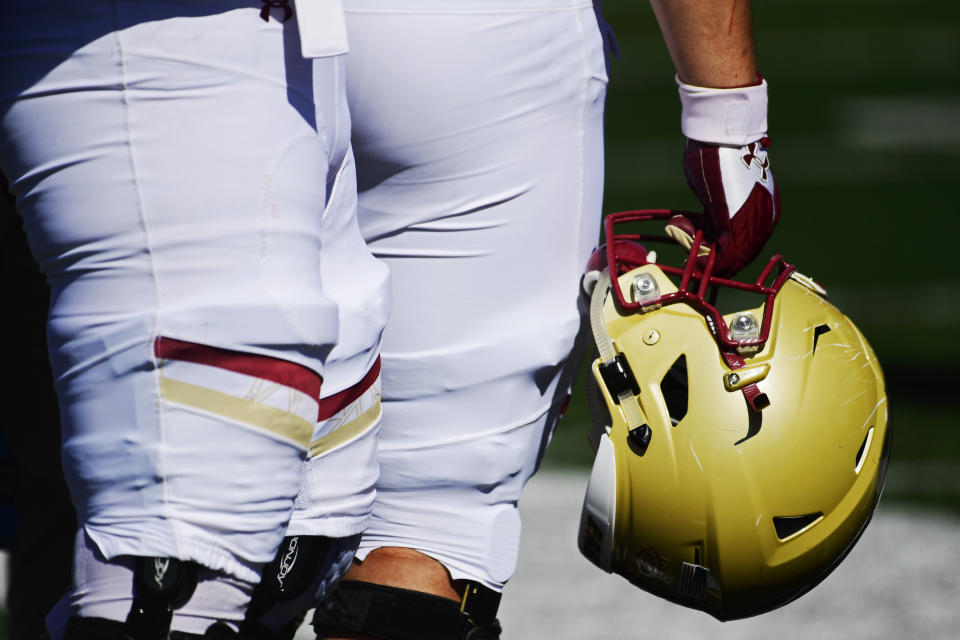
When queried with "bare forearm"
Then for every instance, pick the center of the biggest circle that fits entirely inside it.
(710, 41)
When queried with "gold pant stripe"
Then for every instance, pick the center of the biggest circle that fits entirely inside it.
(277, 421)
(346, 432)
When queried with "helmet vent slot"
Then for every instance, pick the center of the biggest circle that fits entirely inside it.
(818, 331)
(864, 447)
(787, 526)
(674, 388)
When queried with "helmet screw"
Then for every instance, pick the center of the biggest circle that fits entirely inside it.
(645, 284)
(651, 337)
(646, 292)
(733, 378)
(744, 326)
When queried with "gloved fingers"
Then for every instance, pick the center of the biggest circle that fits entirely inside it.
(740, 198)
(682, 230)
(750, 229)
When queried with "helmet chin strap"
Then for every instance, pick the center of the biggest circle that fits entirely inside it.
(629, 405)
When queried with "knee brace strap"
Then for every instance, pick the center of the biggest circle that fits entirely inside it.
(388, 613)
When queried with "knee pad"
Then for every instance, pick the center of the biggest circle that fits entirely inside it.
(303, 573)
(388, 613)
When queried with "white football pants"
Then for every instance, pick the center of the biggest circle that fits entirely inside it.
(187, 186)
(478, 134)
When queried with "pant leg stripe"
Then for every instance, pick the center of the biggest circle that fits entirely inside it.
(276, 421)
(347, 431)
(276, 370)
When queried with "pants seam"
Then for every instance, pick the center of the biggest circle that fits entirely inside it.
(145, 227)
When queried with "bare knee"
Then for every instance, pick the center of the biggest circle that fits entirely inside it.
(406, 569)
(408, 596)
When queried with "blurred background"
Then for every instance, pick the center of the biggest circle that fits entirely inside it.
(865, 128)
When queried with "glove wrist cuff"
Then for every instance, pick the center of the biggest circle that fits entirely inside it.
(733, 117)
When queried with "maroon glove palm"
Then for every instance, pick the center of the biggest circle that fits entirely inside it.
(740, 200)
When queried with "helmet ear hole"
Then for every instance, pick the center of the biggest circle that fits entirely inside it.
(675, 390)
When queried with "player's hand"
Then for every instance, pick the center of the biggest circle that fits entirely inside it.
(741, 202)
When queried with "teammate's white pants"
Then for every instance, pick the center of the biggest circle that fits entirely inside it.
(187, 186)
(478, 134)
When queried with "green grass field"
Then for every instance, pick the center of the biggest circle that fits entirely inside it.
(865, 123)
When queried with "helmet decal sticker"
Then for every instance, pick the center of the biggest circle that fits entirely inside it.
(648, 562)
(693, 581)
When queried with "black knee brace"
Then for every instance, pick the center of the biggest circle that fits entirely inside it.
(388, 613)
(292, 584)
(100, 629)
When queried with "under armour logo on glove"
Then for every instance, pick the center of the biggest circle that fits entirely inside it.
(276, 4)
(741, 202)
(757, 156)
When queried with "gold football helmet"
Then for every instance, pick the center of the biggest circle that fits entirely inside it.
(740, 455)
